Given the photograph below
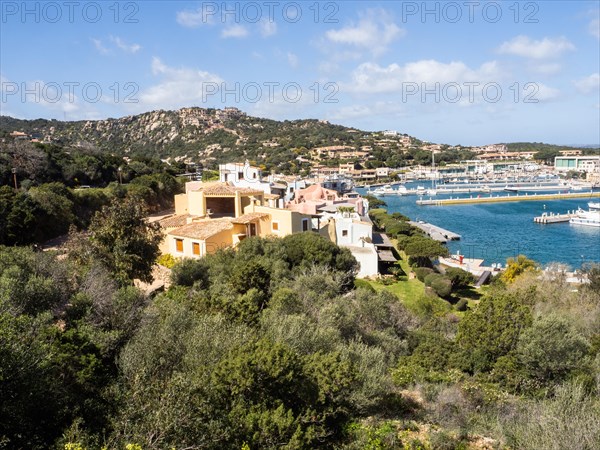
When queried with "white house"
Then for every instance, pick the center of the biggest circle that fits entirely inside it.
(356, 234)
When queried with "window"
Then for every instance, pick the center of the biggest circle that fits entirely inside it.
(196, 248)
(304, 224)
(275, 226)
(179, 245)
(344, 233)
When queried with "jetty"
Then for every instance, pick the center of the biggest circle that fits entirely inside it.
(436, 233)
(546, 218)
(506, 198)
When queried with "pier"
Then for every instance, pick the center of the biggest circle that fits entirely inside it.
(436, 233)
(546, 218)
(506, 198)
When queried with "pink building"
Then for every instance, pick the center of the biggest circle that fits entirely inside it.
(315, 197)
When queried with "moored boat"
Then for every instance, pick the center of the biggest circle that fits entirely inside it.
(587, 218)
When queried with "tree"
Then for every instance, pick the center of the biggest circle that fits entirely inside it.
(551, 348)
(421, 249)
(517, 266)
(124, 241)
(460, 278)
(493, 329)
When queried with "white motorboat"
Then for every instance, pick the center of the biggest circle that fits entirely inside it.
(587, 218)
(594, 206)
(384, 190)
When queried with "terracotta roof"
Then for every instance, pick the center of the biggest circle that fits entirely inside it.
(220, 188)
(174, 221)
(250, 217)
(202, 229)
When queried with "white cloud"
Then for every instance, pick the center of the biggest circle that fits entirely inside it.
(367, 111)
(133, 48)
(267, 27)
(374, 31)
(594, 27)
(178, 87)
(540, 49)
(234, 31)
(292, 60)
(544, 93)
(196, 18)
(588, 84)
(546, 69)
(371, 78)
(100, 47)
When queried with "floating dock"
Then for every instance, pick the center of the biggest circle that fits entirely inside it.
(436, 233)
(554, 218)
(506, 198)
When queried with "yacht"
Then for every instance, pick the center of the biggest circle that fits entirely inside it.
(421, 190)
(402, 190)
(384, 190)
(587, 218)
(594, 206)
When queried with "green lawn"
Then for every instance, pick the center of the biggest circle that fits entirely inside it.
(412, 293)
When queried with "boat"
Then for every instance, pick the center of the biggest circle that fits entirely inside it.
(431, 192)
(421, 190)
(402, 190)
(587, 218)
(384, 190)
(594, 206)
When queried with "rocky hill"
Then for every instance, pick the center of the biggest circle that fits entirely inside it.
(194, 133)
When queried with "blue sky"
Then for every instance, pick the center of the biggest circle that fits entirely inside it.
(468, 73)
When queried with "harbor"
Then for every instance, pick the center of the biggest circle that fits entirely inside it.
(507, 198)
(495, 231)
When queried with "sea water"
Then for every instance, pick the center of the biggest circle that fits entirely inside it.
(496, 231)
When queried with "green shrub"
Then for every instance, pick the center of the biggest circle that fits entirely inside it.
(167, 260)
(460, 278)
(422, 272)
(462, 305)
(363, 284)
(441, 285)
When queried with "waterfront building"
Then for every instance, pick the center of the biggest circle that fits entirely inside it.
(578, 163)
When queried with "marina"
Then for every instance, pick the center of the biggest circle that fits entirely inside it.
(495, 231)
(506, 198)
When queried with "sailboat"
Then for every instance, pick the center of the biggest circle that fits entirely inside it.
(432, 191)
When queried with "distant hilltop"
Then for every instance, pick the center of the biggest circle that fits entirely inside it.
(214, 135)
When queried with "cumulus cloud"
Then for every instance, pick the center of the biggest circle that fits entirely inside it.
(594, 27)
(267, 27)
(375, 31)
(543, 93)
(292, 60)
(234, 31)
(536, 49)
(371, 78)
(195, 18)
(588, 84)
(117, 43)
(100, 47)
(128, 48)
(178, 87)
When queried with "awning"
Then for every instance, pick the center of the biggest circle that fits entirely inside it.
(386, 256)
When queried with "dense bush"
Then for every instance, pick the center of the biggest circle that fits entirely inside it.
(422, 272)
(441, 285)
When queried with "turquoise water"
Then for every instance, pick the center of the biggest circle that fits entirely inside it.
(496, 231)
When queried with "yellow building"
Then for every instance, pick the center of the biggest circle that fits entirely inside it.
(211, 216)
